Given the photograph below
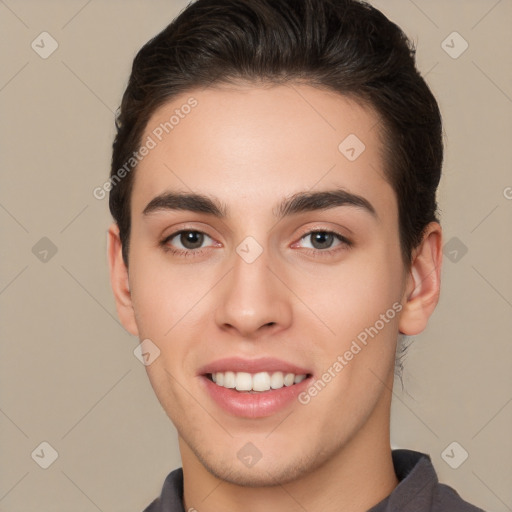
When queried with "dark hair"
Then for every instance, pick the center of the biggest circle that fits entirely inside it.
(346, 46)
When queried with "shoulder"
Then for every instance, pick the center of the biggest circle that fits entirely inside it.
(419, 488)
(171, 498)
(446, 498)
(154, 506)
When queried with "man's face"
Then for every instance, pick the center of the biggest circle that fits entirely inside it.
(272, 285)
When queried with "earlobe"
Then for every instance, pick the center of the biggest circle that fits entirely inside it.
(423, 282)
(120, 282)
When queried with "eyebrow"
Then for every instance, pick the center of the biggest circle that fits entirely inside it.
(186, 201)
(312, 201)
(298, 203)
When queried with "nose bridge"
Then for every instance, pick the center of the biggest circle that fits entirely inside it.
(252, 297)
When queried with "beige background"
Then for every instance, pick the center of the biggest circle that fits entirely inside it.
(68, 375)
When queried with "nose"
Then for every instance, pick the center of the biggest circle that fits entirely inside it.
(252, 300)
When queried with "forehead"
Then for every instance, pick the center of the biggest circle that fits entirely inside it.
(250, 146)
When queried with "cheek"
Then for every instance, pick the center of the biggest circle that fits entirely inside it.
(172, 305)
(360, 305)
(163, 295)
(351, 296)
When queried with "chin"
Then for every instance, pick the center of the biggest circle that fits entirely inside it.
(266, 472)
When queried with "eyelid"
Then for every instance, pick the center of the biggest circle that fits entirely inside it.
(178, 251)
(181, 227)
(324, 229)
(176, 234)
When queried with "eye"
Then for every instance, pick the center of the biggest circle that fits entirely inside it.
(187, 240)
(322, 240)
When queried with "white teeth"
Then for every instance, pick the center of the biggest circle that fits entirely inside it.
(243, 381)
(288, 379)
(261, 381)
(276, 381)
(229, 380)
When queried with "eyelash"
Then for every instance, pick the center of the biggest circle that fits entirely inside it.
(345, 244)
(187, 253)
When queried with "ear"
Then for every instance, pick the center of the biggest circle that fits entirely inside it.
(423, 282)
(120, 282)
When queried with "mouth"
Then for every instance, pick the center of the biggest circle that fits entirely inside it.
(255, 388)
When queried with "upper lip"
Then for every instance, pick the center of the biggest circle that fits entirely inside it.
(263, 364)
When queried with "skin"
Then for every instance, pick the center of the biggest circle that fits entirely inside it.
(251, 147)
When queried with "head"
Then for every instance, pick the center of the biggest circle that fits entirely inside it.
(284, 207)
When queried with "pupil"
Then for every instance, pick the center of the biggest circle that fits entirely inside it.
(322, 240)
(191, 239)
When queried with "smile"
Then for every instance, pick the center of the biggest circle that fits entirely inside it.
(254, 388)
(257, 382)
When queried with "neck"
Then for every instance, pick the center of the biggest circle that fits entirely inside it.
(357, 477)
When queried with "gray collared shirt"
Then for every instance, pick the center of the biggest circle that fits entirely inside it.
(418, 490)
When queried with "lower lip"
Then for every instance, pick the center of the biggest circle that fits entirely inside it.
(254, 405)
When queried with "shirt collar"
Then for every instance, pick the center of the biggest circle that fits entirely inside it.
(417, 482)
